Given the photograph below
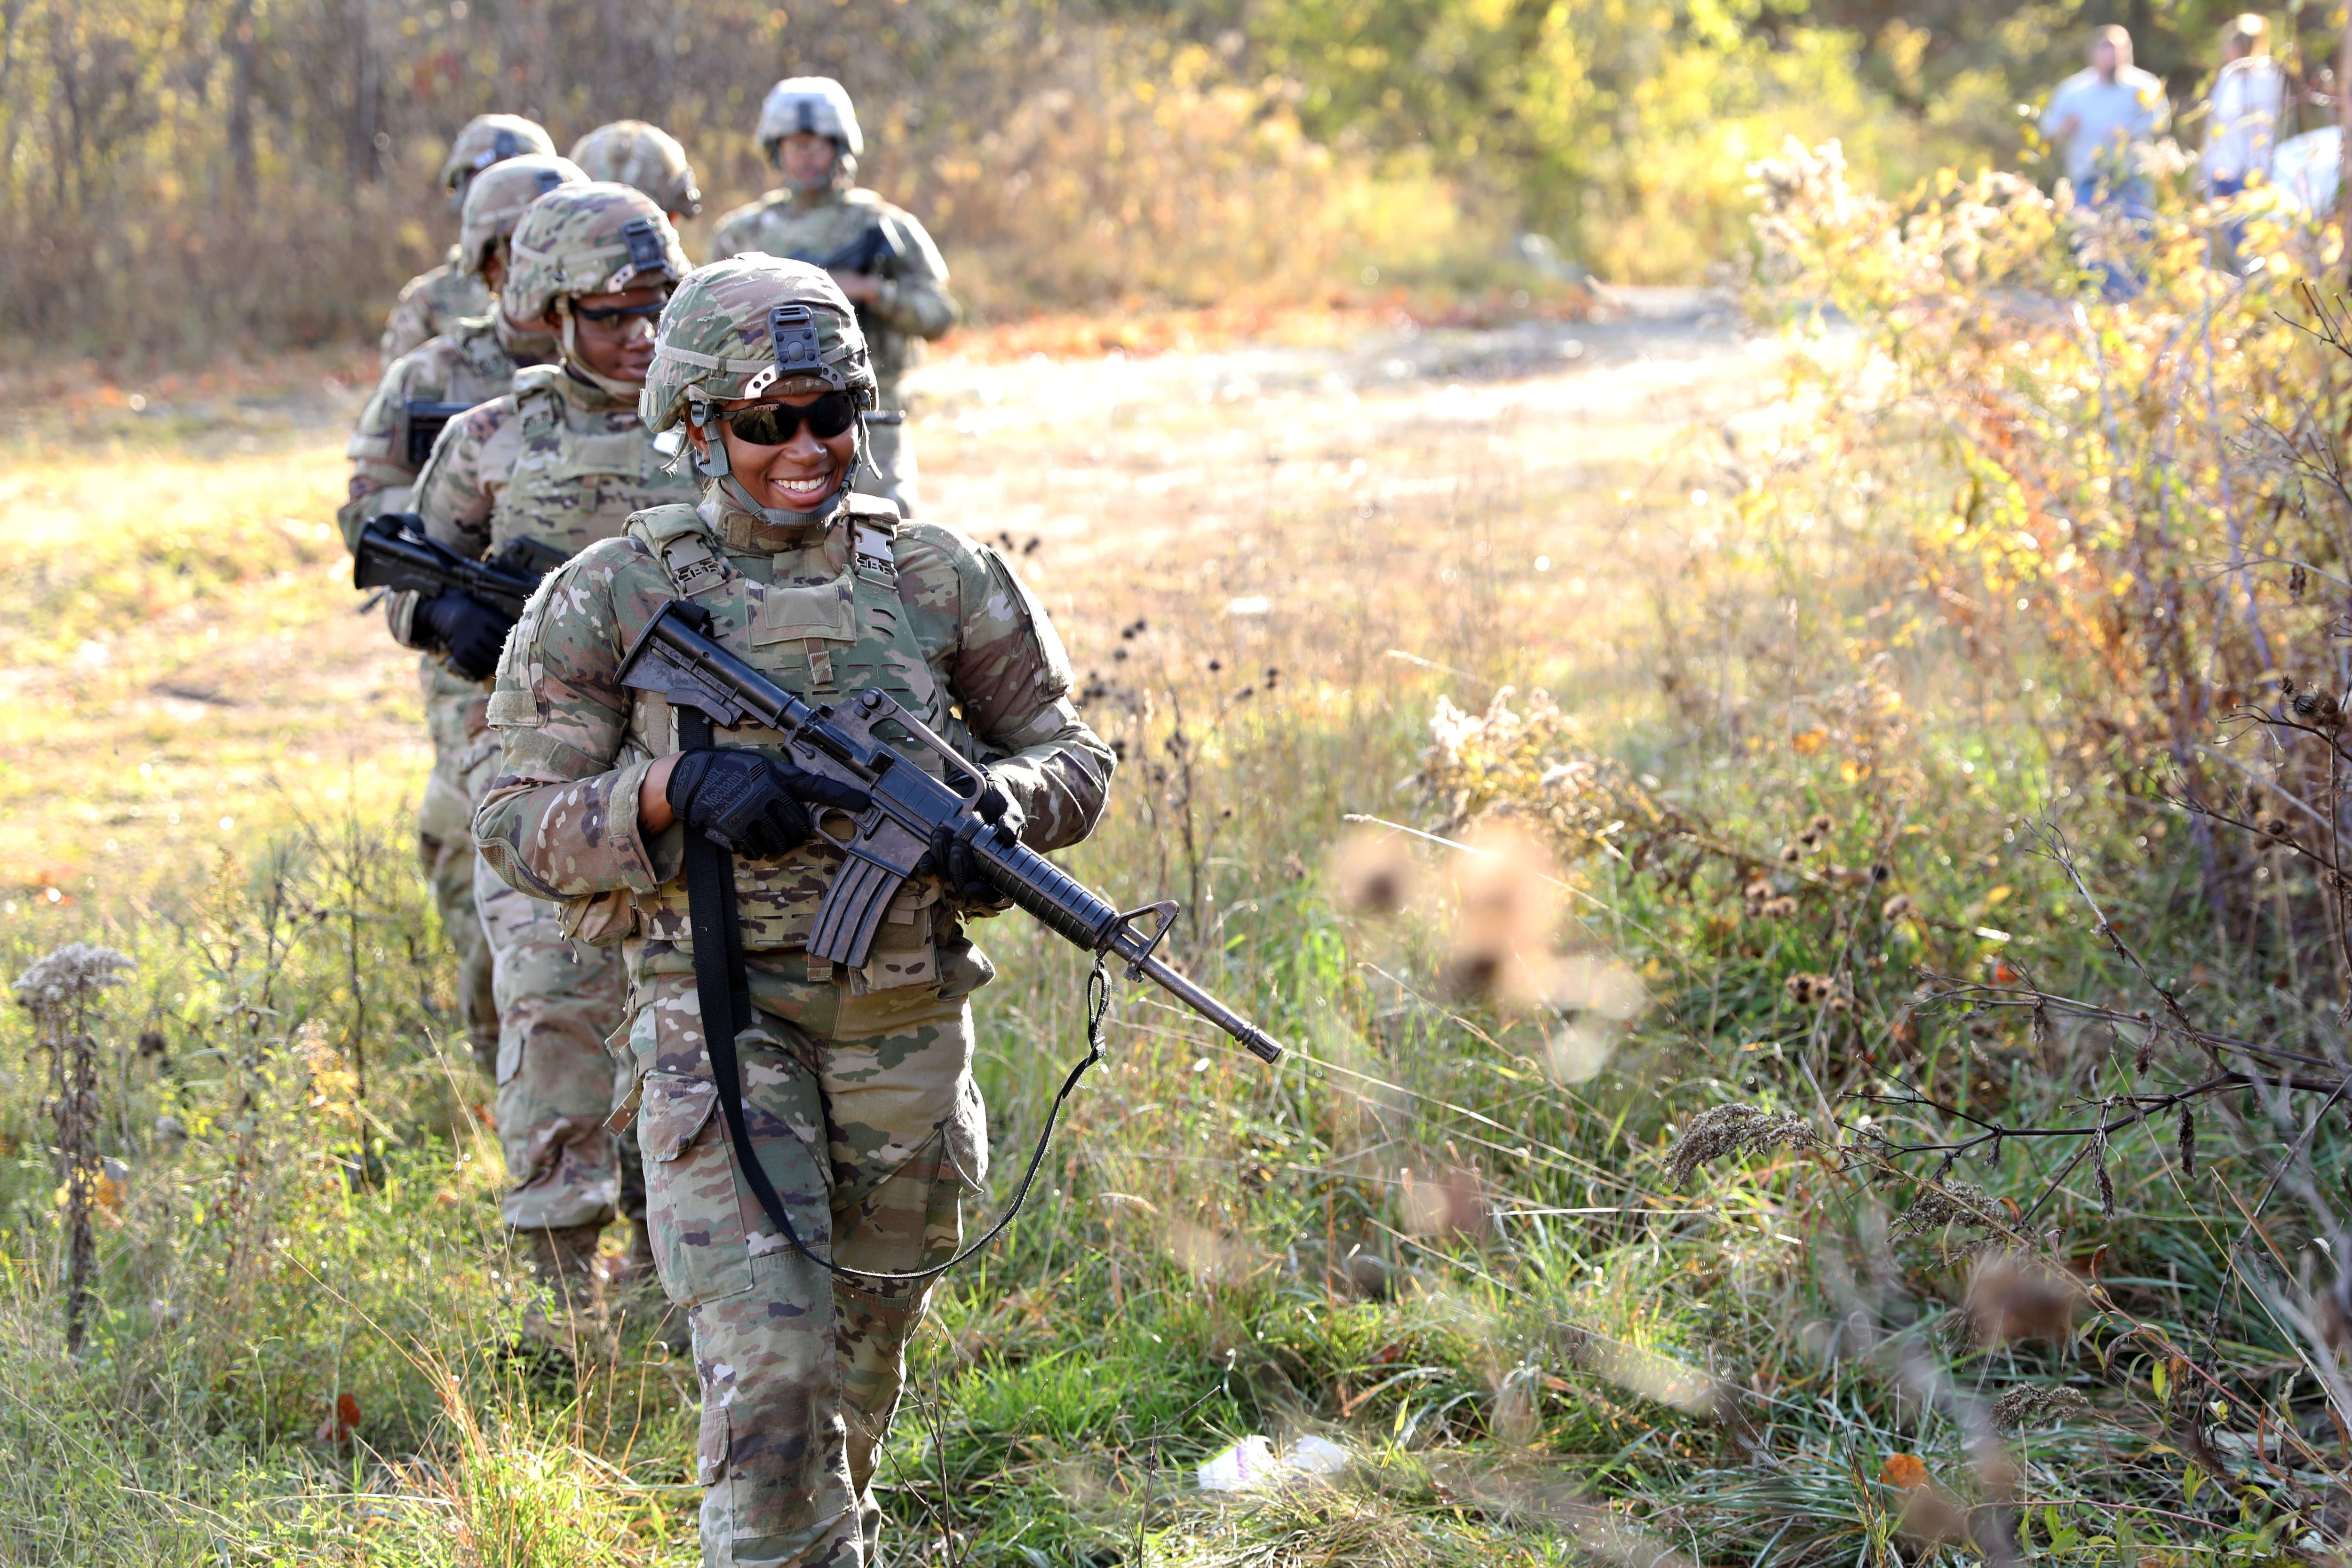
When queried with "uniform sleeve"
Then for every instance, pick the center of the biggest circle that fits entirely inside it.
(560, 820)
(1012, 679)
(452, 491)
(916, 301)
(411, 323)
(736, 233)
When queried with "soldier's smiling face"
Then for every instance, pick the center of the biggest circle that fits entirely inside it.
(801, 474)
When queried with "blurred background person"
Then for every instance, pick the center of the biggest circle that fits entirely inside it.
(882, 259)
(2105, 117)
(2242, 116)
(432, 302)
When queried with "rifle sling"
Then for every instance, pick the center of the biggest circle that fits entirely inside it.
(723, 991)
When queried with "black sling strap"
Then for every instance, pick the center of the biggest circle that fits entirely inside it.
(722, 989)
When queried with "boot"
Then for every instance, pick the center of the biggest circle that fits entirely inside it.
(635, 1285)
(563, 1260)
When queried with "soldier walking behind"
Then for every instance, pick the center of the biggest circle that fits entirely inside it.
(432, 300)
(631, 152)
(473, 362)
(878, 254)
(558, 463)
(856, 1085)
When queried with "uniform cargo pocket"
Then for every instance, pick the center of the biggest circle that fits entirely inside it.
(674, 1113)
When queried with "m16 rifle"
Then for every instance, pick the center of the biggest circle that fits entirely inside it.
(394, 553)
(860, 743)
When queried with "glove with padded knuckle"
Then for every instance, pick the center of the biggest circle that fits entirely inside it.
(752, 803)
(951, 857)
(469, 632)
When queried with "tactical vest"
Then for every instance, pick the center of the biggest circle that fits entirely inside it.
(821, 635)
(581, 471)
(476, 370)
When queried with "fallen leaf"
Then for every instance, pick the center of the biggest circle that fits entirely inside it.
(1904, 1470)
(1811, 741)
(339, 1426)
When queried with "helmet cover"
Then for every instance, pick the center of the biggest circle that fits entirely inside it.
(594, 238)
(818, 105)
(631, 152)
(497, 198)
(490, 139)
(750, 325)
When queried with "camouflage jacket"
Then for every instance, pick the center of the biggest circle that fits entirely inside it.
(555, 461)
(430, 304)
(915, 303)
(936, 618)
(422, 389)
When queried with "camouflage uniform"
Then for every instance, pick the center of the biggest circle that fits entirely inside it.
(857, 1084)
(819, 225)
(474, 360)
(563, 463)
(432, 302)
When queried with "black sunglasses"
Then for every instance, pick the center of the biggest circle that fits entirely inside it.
(773, 423)
(619, 312)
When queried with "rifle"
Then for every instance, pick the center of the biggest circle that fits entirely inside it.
(676, 658)
(423, 421)
(393, 553)
(869, 252)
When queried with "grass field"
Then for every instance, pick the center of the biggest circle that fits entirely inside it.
(1440, 1233)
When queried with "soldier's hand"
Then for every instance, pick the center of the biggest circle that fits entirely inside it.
(862, 287)
(751, 803)
(469, 632)
(951, 857)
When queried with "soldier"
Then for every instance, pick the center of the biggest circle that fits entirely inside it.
(877, 254)
(857, 1085)
(474, 360)
(631, 152)
(431, 301)
(559, 462)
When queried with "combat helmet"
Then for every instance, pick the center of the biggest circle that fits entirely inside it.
(594, 238)
(496, 199)
(816, 104)
(744, 327)
(631, 152)
(489, 139)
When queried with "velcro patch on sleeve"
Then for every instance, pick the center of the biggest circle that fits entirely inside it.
(512, 707)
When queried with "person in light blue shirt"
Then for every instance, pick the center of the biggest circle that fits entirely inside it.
(2104, 118)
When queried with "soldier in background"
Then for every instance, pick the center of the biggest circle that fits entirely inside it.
(473, 362)
(631, 152)
(557, 464)
(431, 302)
(880, 257)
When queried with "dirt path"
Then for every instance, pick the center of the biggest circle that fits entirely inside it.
(198, 665)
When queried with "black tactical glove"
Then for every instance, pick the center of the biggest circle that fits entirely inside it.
(951, 859)
(752, 803)
(471, 632)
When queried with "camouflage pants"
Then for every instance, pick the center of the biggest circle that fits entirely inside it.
(895, 475)
(866, 1119)
(445, 843)
(558, 1003)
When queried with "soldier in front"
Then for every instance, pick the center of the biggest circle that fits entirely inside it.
(879, 257)
(857, 1084)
